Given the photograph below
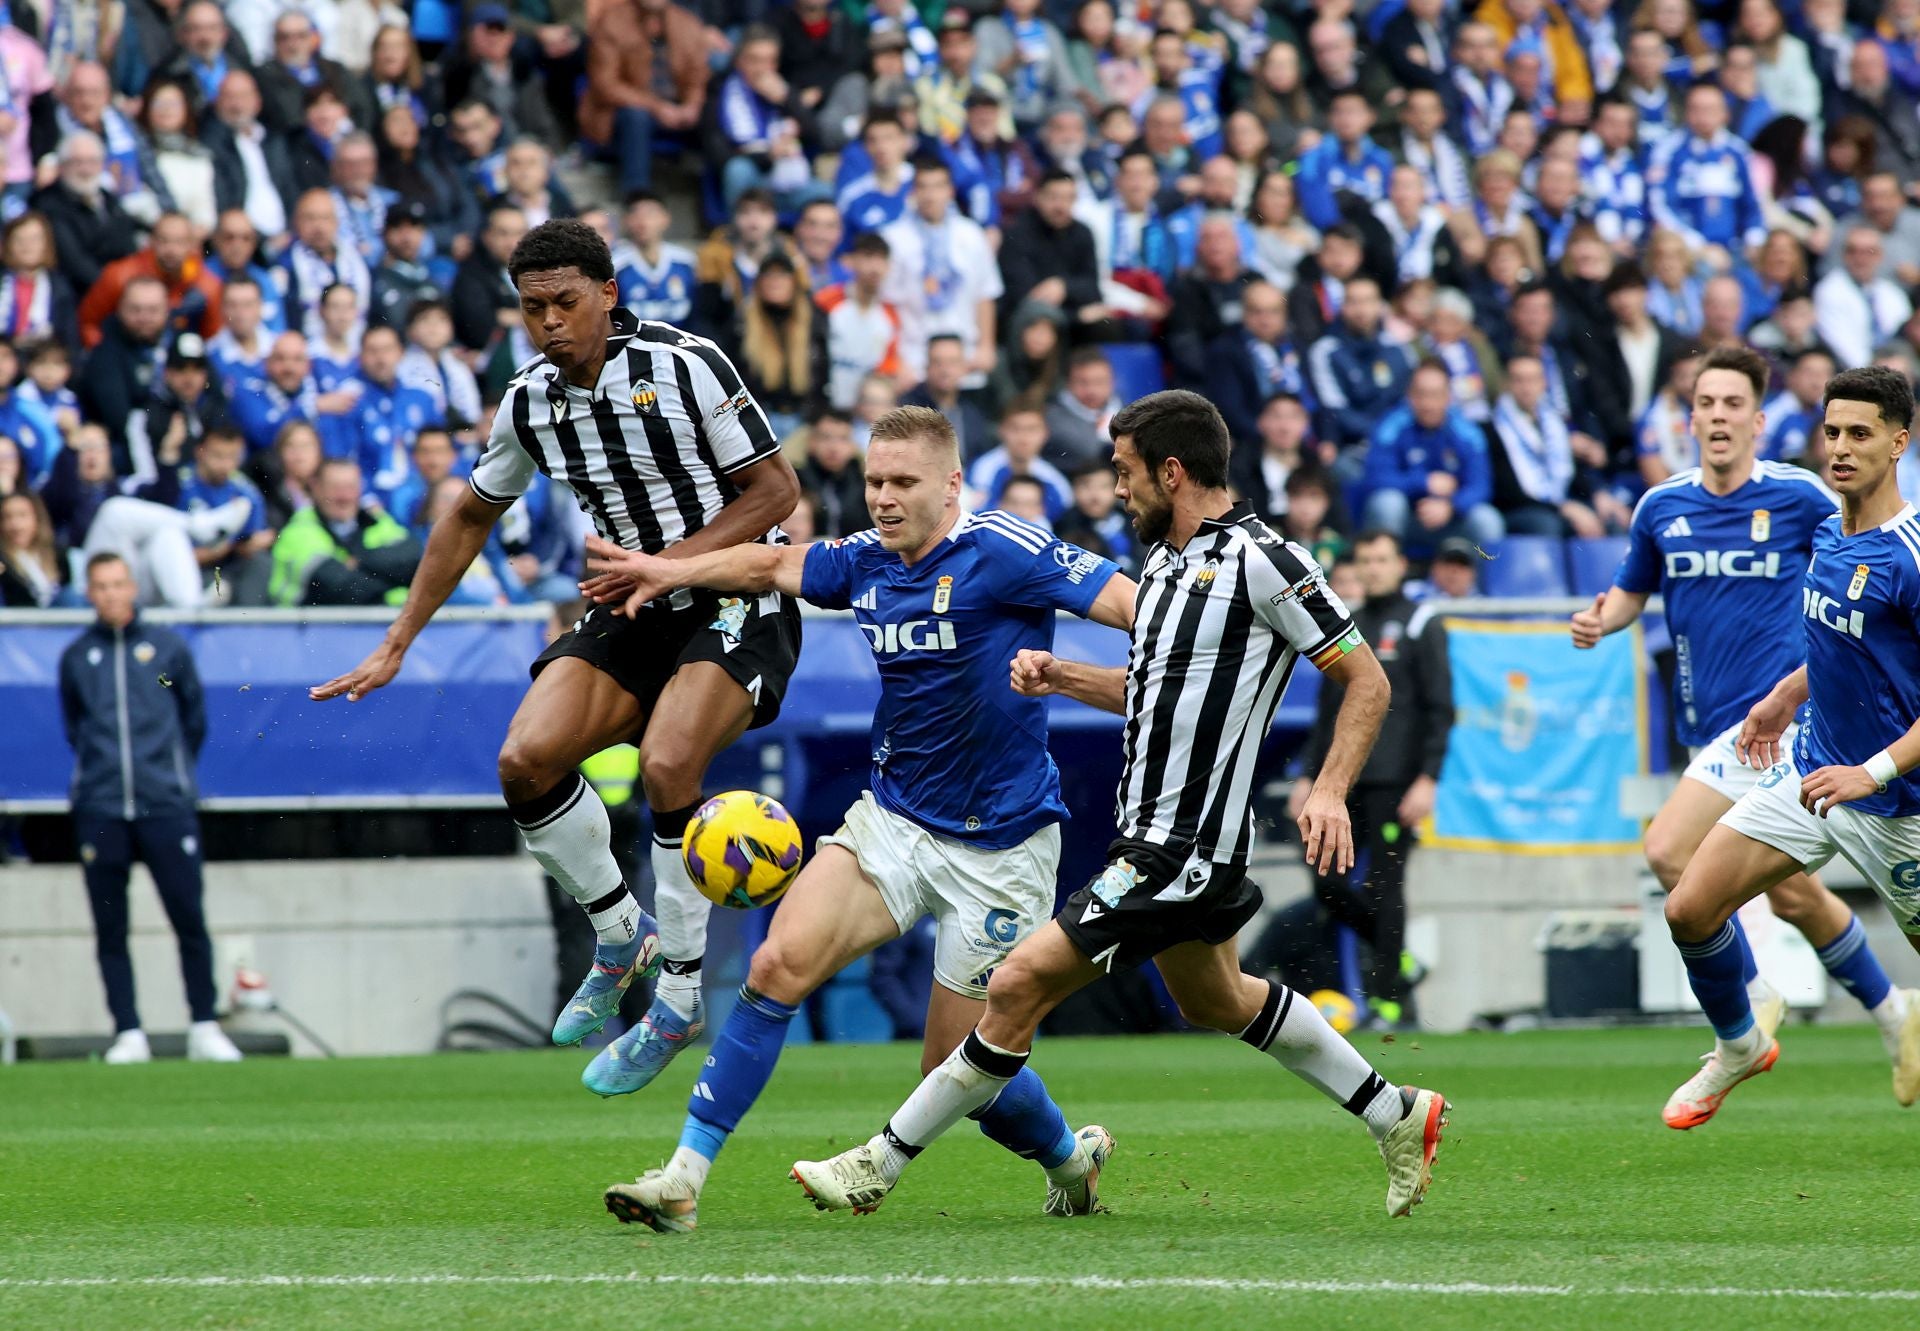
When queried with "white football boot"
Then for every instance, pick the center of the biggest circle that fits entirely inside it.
(129, 1047)
(850, 1181)
(1093, 1144)
(1410, 1148)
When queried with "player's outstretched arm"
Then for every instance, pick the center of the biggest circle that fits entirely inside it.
(1326, 829)
(635, 578)
(1114, 605)
(1610, 612)
(1758, 743)
(1826, 787)
(456, 541)
(1038, 674)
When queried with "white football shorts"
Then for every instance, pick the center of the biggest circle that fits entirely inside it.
(983, 901)
(1886, 851)
(1718, 767)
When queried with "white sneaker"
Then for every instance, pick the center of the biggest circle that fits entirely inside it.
(207, 1043)
(1701, 1095)
(664, 1200)
(1906, 1061)
(129, 1047)
(1093, 1144)
(851, 1181)
(1410, 1148)
(210, 526)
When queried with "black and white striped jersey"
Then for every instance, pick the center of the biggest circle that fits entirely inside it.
(1216, 631)
(646, 451)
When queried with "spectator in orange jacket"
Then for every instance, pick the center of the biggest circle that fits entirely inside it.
(193, 293)
(1566, 58)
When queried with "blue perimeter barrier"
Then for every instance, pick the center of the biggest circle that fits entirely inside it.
(429, 739)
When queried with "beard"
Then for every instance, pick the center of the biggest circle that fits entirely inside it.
(1152, 522)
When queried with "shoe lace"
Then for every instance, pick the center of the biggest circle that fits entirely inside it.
(854, 1171)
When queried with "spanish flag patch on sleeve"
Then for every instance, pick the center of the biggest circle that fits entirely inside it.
(1338, 648)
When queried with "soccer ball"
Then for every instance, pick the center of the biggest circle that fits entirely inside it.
(742, 849)
(1336, 1007)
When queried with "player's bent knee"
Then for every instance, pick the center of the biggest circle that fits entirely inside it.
(1692, 913)
(1015, 989)
(780, 976)
(1665, 856)
(526, 771)
(670, 773)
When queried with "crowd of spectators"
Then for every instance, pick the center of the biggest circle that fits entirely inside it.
(1445, 266)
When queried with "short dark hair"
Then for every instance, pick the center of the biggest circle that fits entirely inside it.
(1034, 481)
(240, 280)
(1373, 534)
(379, 329)
(426, 430)
(1741, 360)
(636, 197)
(1536, 287)
(831, 413)
(1178, 424)
(1091, 467)
(1085, 356)
(1346, 231)
(222, 434)
(1302, 479)
(420, 307)
(103, 557)
(882, 116)
(870, 242)
(1055, 177)
(1889, 390)
(1627, 275)
(1137, 150)
(927, 162)
(756, 196)
(562, 243)
(51, 348)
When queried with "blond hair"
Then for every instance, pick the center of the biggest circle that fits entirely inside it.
(923, 424)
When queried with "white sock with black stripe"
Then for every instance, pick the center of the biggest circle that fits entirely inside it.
(1292, 1030)
(681, 913)
(567, 830)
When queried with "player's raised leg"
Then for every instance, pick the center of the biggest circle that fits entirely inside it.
(1729, 870)
(701, 711)
(832, 914)
(1211, 989)
(571, 712)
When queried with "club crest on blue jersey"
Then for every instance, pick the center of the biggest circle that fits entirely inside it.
(942, 595)
(1762, 526)
(1858, 587)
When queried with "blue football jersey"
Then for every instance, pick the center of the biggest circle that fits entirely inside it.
(954, 748)
(662, 293)
(1727, 566)
(1861, 606)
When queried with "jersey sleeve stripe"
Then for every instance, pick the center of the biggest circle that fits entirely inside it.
(1030, 538)
(1909, 534)
(761, 456)
(1674, 482)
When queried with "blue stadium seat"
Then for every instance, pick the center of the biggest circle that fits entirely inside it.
(1526, 566)
(1592, 563)
(1137, 369)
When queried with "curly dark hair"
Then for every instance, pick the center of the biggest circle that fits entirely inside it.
(562, 243)
(1877, 386)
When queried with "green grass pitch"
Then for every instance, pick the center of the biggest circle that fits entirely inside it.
(464, 1191)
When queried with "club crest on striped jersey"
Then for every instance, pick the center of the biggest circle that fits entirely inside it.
(1203, 580)
(1762, 526)
(942, 595)
(644, 397)
(1858, 587)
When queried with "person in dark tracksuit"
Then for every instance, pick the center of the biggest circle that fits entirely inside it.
(131, 701)
(1395, 790)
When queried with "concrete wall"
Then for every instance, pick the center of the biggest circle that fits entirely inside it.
(366, 952)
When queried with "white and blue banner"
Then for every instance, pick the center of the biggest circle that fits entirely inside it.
(1543, 735)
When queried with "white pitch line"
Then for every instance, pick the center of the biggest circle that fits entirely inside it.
(1467, 1289)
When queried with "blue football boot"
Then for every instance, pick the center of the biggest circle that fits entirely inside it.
(615, 967)
(638, 1056)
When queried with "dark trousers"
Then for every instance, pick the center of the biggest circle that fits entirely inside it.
(1376, 907)
(170, 848)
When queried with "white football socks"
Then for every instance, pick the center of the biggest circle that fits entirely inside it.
(568, 832)
(1292, 1030)
(971, 1076)
(1890, 1016)
(682, 915)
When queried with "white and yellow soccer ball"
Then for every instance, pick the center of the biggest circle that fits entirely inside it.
(1337, 1008)
(742, 849)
